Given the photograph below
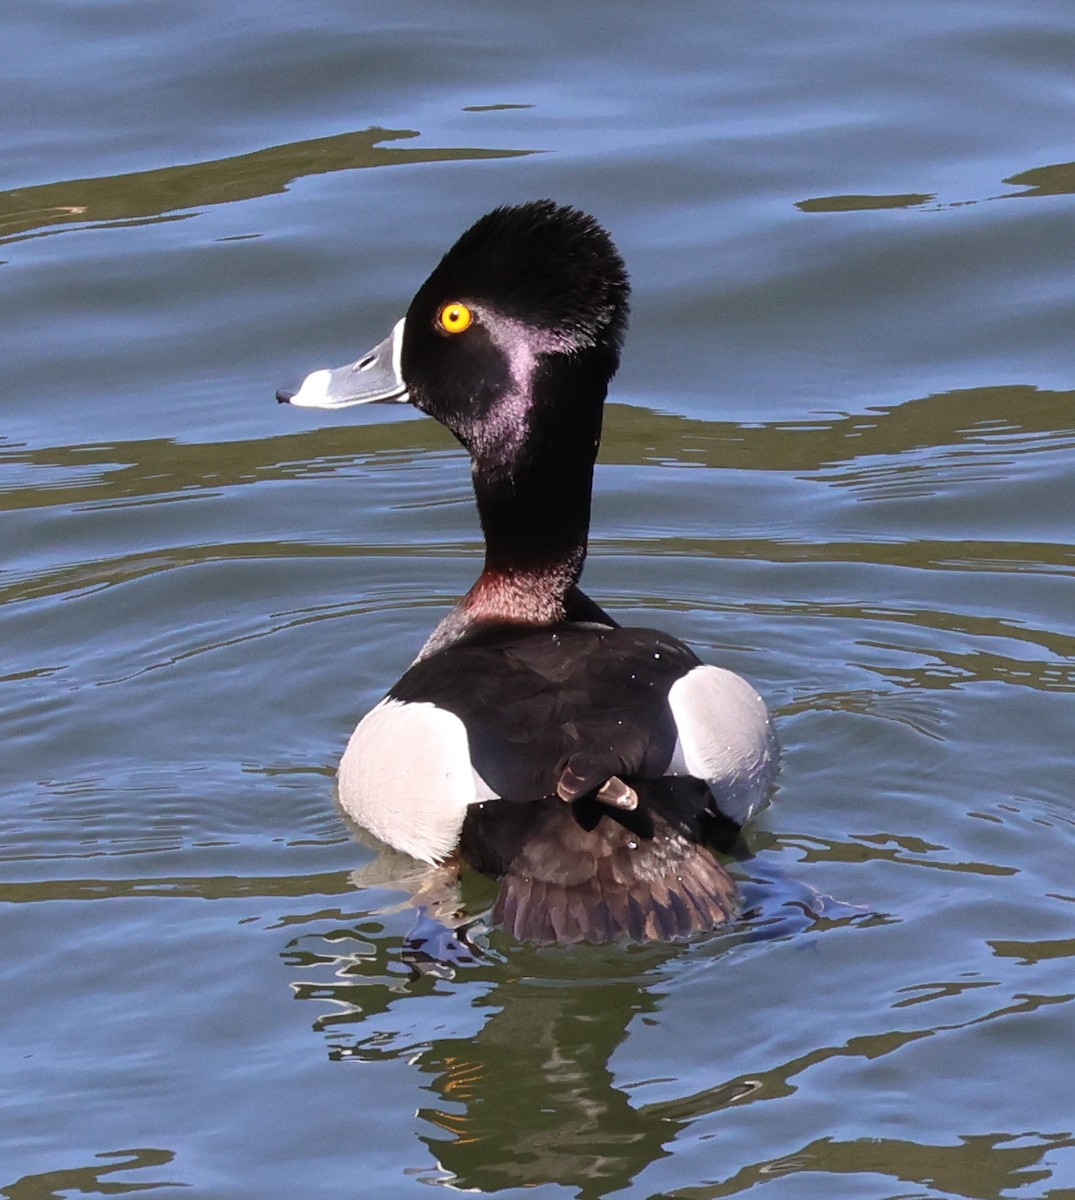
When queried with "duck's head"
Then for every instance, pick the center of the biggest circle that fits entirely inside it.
(517, 330)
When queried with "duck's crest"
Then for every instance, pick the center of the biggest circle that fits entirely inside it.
(547, 264)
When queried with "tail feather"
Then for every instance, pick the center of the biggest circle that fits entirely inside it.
(508, 903)
(583, 871)
(695, 895)
(539, 911)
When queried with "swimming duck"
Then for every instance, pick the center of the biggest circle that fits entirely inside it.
(583, 764)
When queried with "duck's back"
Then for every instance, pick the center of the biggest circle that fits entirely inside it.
(585, 760)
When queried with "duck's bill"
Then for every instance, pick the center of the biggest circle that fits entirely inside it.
(376, 376)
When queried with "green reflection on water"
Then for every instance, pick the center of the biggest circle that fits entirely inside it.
(146, 195)
(1057, 179)
(980, 1167)
(201, 887)
(883, 847)
(634, 435)
(1034, 951)
(93, 1179)
(863, 203)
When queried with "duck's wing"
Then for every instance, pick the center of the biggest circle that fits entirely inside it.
(565, 711)
(578, 607)
(406, 776)
(557, 709)
(724, 736)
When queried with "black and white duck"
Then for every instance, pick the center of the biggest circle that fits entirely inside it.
(587, 766)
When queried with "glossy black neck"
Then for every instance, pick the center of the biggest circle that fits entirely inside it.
(535, 504)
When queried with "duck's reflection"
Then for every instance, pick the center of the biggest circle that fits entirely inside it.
(532, 1099)
(515, 1048)
(521, 1090)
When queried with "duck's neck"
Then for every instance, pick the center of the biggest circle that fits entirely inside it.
(534, 506)
(535, 522)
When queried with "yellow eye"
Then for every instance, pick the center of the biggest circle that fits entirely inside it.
(455, 317)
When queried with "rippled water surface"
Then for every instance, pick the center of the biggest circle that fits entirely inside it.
(840, 458)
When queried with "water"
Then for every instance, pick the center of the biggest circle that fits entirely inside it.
(840, 459)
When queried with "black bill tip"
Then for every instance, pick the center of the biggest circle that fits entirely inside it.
(284, 396)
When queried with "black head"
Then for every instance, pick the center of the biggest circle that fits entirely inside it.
(526, 312)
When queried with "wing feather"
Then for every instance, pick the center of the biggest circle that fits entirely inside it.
(406, 776)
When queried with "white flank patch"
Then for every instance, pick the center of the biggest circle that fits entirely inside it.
(406, 776)
(725, 737)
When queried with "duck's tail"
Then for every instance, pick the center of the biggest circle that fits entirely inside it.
(583, 871)
(696, 896)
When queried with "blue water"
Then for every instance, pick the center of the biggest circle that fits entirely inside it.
(839, 458)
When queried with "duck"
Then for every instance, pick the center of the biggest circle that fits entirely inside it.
(588, 767)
